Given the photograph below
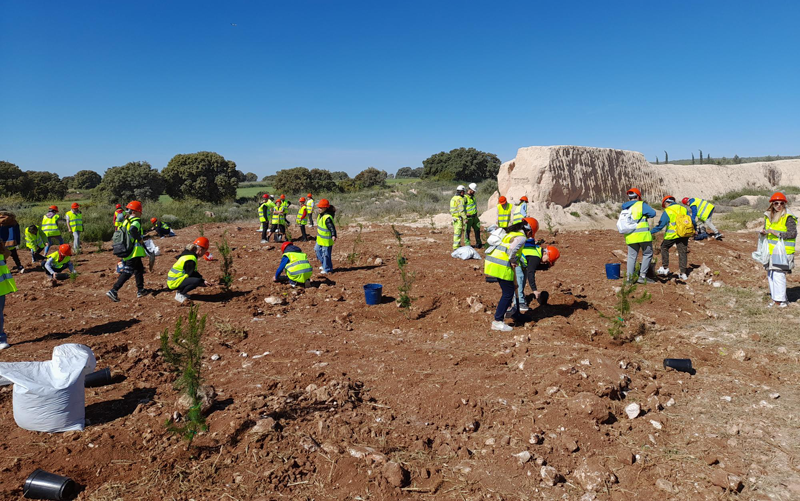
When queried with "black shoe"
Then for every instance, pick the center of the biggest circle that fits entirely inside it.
(142, 293)
(112, 294)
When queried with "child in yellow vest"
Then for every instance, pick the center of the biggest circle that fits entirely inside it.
(7, 286)
(58, 261)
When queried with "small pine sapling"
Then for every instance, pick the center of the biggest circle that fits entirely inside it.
(226, 263)
(352, 257)
(406, 278)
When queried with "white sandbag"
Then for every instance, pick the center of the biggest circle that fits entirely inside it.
(50, 396)
(465, 252)
(152, 248)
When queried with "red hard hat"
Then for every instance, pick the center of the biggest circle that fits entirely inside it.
(283, 197)
(285, 245)
(324, 204)
(309, 195)
(502, 200)
(523, 199)
(54, 208)
(119, 206)
(75, 205)
(302, 199)
(685, 201)
(202, 242)
(665, 199)
(265, 195)
(553, 254)
(777, 197)
(134, 206)
(635, 190)
(65, 250)
(533, 224)
(153, 220)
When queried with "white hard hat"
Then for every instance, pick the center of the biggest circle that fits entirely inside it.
(460, 187)
(473, 186)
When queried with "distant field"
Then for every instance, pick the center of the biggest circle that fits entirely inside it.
(402, 180)
(251, 191)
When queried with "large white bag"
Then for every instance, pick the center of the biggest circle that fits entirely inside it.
(50, 396)
(625, 223)
(780, 259)
(762, 251)
(465, 252)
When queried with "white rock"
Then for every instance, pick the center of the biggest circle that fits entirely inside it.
(717, 284)
(774, 395)
(657, 425)
(670, 402)
(741, 356)
(215, 357)
(378, 261)
(633, 410)
(523, 456)
(726, 398)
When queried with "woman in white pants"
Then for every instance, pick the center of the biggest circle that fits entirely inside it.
(779, 223)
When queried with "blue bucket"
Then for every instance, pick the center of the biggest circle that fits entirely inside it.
(373, 293)
(612, 271)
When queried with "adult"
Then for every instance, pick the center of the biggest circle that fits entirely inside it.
(132, 264)
(50, 228)
(459, 215)
(500, 265)
(7, 286)
(11, 236)
(473, 221)
(326, 235)
(183, 277)
(503, 212)
(702, 210)
(639, 239)
(302, 219)
(520, 211)
(295, 262)
(779, 224)
(74, 218)
(669, 218)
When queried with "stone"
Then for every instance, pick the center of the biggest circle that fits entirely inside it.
(711, 459)
(361, 452)
(206, 393)
(477, 307)
(666, 486)
(550, 475)
(378, 261)
(656, 424)
(523, 457)
(591, 474)
(725, 480)
(263, 426)
(633, 410)
(569, 444)
(274, 300)
(774, 395)
(215, 357)
(741, 356)
(308, 443)
(472, 426)
(395, 474)
(589, 405)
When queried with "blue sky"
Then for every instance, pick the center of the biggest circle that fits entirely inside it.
(347, 85)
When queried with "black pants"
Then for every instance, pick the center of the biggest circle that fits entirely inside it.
(136, 269)
(189, 284)
(508, 288)
(683, 246)
(15, 257)
(264, 229)
(303, 237)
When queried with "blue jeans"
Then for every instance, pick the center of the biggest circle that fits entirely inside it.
(324, 257)
(507, 286)
(2, 307)
(520, 272)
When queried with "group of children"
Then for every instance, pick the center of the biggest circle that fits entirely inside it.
(272, 215)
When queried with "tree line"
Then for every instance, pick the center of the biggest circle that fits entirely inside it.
(707, 160)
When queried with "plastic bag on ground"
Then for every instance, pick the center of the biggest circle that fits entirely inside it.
(762, 251)
(779, 258)
(152, 248)
(50, 396)
(466, 252)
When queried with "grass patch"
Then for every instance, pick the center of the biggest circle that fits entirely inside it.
(575, 214)
(755, 192)
(739, 218)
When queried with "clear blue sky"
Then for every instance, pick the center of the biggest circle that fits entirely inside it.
(346, 85)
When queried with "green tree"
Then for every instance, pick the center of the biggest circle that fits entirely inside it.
(268, 179)
(204, 175)
(464, 164)
(692, 158)
(85, 180)
(666, 157)
(320, 180)
(736, 159)
(291, 180)
(240, 176)
(132, 181)
(701, 157)
(370, 177)
(12, 180)
(339, 176)
(250, 177)
(44, 186)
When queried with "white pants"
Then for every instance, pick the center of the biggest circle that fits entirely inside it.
(777, 285)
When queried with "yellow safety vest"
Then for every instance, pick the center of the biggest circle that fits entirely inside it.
(673, 211)
(298, 269)
(176, 275)
(530, 250)
(519, 215)
(498, 263)
(50, 225)
(7, 283)
(279, 213)
(138, 248)
(471, 207)
(116, 215)
(642, 232)
(262, 211)
(704, 208)
(779, 226)
(457, 206)
(34, 241)
(310, 204)
(302, 215)
(58, 264)
(75, 220)
(324, 237)
(504, 215)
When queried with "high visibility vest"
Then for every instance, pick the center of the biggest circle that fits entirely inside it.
(34, 241)
(498, 263)
(163, 226)
(263, 211)
(176, 274)
(504, 216)
(75, 220)
(298, 269)
(642, 231)
(279, 213)
(779, 226)
(302, 215)
(704, 208)
(7, 283)
(457, 206)
(673, 211)
(520, 213)
(138, 248)
(530, 249)
(50, 225)
(471, 207)
(117, 212)
(58, 264)
(310, 205)
(324, 237)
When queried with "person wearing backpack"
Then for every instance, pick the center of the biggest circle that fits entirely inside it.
(132, 264)
(640, 239)
(673, 235)
(702, 210)
(779, 224)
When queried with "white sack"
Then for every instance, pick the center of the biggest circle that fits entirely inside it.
(152, 248)
(50, 396)
(466, 252)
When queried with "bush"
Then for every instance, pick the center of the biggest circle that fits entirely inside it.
(85, 180)
(250, 177)
(44, 186)
(205, 175)
(300, 180)
(12, 180)
(370, 177)
(408, 172)
(339, 176)
(467, 164)
(132, 181)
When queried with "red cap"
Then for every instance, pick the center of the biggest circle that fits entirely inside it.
(153, 220)
(685, 201)
(309, 195)
(54, 208)
(265, 195)
(635, 190)
(323, 204)
(533, 223)
(523, 199)
(302, 199)
(65, 250)
(283, 197)
(664, 200)
(502, 200)
(119, 206)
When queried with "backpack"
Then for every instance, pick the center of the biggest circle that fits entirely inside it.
(121, 243)
(684, 226)
(626, 224)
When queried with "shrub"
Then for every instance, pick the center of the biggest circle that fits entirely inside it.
(44, 186)
(85, 180)
(467, 164)
(205, 175)
(370, 177)
(132, 181)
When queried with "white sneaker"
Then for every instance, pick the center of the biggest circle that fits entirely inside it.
(263, 241)
(662, 271)
(501, 326)
(683, 276)
(3, 346)
(323, 272)
(783, 304)
(179, 297)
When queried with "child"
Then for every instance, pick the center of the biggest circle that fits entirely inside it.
(35, 241)
(326, 235)
(7, 286)
(162, 228)
(183, 276)
(58, 260)
(75, 222)
(303, 217)
(295, 262)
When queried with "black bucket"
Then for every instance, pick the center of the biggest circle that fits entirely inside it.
(45, 485)
(62, 276)
(98, 378)
(679, 364)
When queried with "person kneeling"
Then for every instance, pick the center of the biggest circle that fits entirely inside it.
(183, 276)
(162, 229)
(58, 261)
(295, 262)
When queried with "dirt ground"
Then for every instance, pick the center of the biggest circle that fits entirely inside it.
(323, 397)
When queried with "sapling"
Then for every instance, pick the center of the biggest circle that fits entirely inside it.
(352, 257)
(226, 263)
(406, 278)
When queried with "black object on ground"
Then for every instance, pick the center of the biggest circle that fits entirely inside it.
(679, 364)
(45, 485)
(543, 297)
(98, 378)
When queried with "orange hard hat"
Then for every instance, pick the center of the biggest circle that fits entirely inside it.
(502, 200)
(285, 245)
(119, 206)
(635, 190)
(283, 197)
(265, 195)
(552, 254)
(309, 195)
(302, 199)
(134, 206)
(75, 205)
(65, 250)
(324, 204)
(523, 199)
(667, 199)
(153, 220)
(202, 242)
(533, 224)
(777, 197)
(54, 208)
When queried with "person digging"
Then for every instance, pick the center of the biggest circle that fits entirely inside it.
(295, 262)
(183, 277)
